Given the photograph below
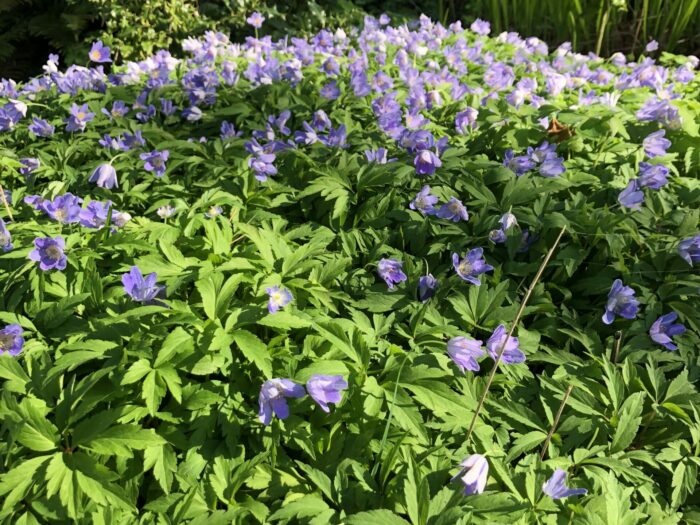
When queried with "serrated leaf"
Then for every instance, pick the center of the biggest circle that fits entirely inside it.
(254, 350)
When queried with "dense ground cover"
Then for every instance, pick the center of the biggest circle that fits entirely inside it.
(268, 283)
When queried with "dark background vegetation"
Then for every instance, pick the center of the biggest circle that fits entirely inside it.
(31, 29)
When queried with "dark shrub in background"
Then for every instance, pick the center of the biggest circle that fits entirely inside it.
(31, 29)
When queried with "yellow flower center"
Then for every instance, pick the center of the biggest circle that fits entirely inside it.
(465, 267)
(6, 341)
(53, 252)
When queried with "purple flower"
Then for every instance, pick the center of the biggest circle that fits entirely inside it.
(148, 114)
(511, 353)
(655, 145)
(555, 487)
(378, 156)
(426, 162)
(41, 128)
(129, 141)
(256, 20)
(652, 46)
(64, 208)
(453, 210)
(497, 236)
(330, 91)
(427, 285)
(652, 176)
(99, 53)
(30, 166)
(660, 110)
(279, 297)
(336, 137)
(424, 201)
(390, 270)
(480, 27)
(477, 473)
(280, 122)
(272, 398)
(95, 214)
(506, 221)
(689, 249)
(11, 113)
(104, 176)
(228, 131)
(142, 290)
(545, 157)
(663, 330)
(167, 107)
(192, 114)
(552, 166)
(308, 136)
(472, 265)
(632, 196)
(466, 120)
(35, 201)
(499, 76)
(48, 252)
(155, 161)
(621, 301)
(518, 165)
(119, 109)
(109, 142)
(326, 389)
(542, 152)
(79, 117)
(5, 237)
(262, 165)
(11, 340)
(464, 352)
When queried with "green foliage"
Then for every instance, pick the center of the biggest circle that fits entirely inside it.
(117, 412)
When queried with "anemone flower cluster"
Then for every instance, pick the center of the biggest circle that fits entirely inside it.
(652, 176)
(68, 209)
(543, 158)
(323, 389)
(452, 210)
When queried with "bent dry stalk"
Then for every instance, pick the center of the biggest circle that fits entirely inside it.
(556, 421)
(534, 282)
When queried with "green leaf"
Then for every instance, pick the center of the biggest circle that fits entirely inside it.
(254, 350)
(163, 462)
(12, 371)
(376, 517)
(37, 432)
(121, 440)
(304, 507)
(628, 423)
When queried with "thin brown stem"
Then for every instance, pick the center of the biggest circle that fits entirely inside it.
(512, 329)
(556, 421)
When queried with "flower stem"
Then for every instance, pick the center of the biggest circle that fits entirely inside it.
(556, 421)
(534, 282)
(618, 342)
